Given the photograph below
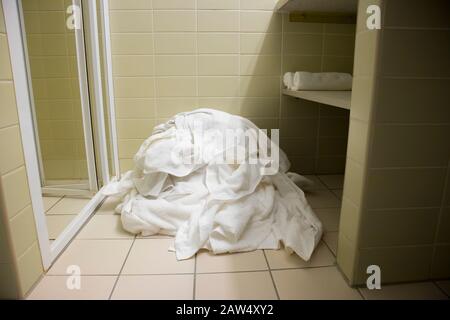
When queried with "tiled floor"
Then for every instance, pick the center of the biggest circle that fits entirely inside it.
(117, 265)
(60, 211)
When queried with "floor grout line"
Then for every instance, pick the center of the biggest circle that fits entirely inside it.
(439, 287)
(271, 275)
(58, 201)
(121, 269)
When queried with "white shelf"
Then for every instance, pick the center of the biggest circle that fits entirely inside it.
(335, 6)
(340, 99)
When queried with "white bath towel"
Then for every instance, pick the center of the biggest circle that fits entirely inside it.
(220, 207)
(288, 80)
(322, 81)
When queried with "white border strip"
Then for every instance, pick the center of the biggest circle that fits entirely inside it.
(110, 85)
(85, 103)
(98, 94)
(20, 75)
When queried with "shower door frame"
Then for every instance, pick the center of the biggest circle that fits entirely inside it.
(17, 49)
(68, 188)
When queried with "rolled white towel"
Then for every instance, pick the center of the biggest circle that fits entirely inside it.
(288, 80)
(322, 81)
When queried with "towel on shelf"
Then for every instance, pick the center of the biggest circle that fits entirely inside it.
(288, 80)
(322, 81)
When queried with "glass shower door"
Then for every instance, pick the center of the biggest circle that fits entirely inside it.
(58, 80)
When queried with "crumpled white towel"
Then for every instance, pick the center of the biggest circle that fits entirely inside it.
(220, 207)
(322, 81)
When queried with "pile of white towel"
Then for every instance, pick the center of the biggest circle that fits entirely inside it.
(212, 205)
(332, 81)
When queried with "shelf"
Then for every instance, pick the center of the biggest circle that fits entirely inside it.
(340, 99)
(330, 6)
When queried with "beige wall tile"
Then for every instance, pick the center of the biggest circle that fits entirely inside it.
(258, 65)
(8, 289)
(176, 87)
(130, 4)
(128, 147)
(405, 227)
(260, 86)
(174, 21)
(298, 108)
(362, 98)
(444, 226)
(304, 63)
(330, 165)
(387, 188)
(220, 43)
(413, 100)
(300, 27)
(299, 128)
(332, 28)
(218, 86)
(15, 191)
(303, 44)
(330, 146)
(169, 107)
(30, 267)
(419, 14)
(135, 108)
(131, 21)
(258, 4)
(260, 21)
(5, 64)
(134, 128)
(259, 107)
(433, 53)
(218, 4)
(2, 21)
(218, 65)
(441, 262)
(409, 145)
(23, 230)
(126, 164)
(346, 254)
(179, 65)
(305, 165)
(132, 66)
(134, 87)
(366, 46)
(132, 44)
(8, 105)
(357, 141)
(338, 64)
(394, 263)
(175, 43)
(299, 146)
(173, 4)
(227, 104)
(260, 43)
(338, 45)
(218, 21)
(350, 217)
(333, 127)
(11, 143)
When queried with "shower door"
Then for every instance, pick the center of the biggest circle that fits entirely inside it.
(58, 82)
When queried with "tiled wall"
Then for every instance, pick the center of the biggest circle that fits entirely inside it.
(171, 56)
(20, 260)
(396, 202)
(53, 62)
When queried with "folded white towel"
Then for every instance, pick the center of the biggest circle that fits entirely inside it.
(288, 80)
(322, 81)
